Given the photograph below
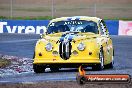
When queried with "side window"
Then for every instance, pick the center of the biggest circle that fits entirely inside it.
(103, 28)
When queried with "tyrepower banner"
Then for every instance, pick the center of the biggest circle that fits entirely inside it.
(23, 26)
(39, 26)
(125, 28)
(112, 26)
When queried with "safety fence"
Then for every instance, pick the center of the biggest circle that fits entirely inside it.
(115, 27)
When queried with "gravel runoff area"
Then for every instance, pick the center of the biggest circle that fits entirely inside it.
(17, 66)
(23, 65)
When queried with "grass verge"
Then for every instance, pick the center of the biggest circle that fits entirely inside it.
(4, 63)
(27, 18)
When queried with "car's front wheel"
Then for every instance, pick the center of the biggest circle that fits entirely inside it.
(111, 65)
(38, 68)
(101, 57)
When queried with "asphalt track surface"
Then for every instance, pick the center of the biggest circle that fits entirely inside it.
(23, 45)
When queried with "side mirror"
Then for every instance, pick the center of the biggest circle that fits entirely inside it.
(42, 35)
(108, 33)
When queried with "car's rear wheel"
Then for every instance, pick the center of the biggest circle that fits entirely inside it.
(38, 68)
(54, 68)
(101, 57)
(111, 65)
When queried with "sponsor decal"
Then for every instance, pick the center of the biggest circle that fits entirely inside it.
(23, 26)
(83, 78)
(125, 28)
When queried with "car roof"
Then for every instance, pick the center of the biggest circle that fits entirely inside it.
(95, 19)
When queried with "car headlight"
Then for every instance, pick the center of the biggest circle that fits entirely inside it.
(49, 47)
(81, 46)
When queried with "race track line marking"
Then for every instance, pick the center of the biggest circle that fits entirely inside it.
(16, 41)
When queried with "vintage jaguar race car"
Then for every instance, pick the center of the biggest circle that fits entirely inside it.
(73, 41)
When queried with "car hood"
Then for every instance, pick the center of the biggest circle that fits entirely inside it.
(70, 36)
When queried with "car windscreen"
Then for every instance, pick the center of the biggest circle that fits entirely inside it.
(73, 26)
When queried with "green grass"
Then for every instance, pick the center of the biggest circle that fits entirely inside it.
(27, 18)
(125, 19)
(49, 18)
(4, 63)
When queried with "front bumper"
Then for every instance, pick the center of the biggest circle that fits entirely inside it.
(67, 63)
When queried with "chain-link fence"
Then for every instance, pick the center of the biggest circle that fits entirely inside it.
(58, 8)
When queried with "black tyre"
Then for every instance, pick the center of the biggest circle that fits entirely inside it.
(54, 68)
(101, 57)
(38, 68)
(33, 54)
(111, 65)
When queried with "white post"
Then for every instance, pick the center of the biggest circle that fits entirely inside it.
(52, 8)
(11, 8)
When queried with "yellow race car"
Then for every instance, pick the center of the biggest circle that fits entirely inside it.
(73, 41)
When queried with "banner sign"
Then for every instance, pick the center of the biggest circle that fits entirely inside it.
(125, 28)
(112, 26)
(23, 26)
(39, 26)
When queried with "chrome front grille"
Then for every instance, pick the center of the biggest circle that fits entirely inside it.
(65, 50)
